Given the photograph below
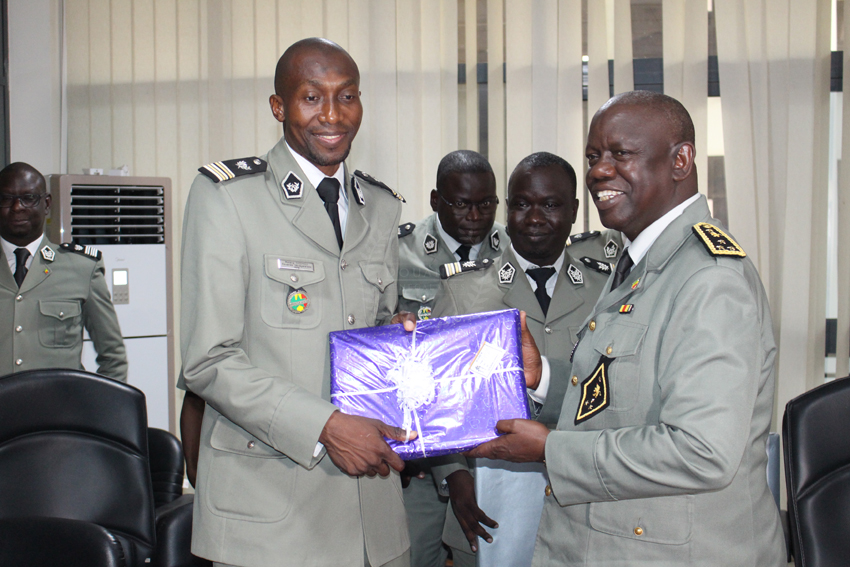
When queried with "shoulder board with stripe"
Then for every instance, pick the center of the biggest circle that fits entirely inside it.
(717, 242)
(405, 229)
(597, 265)
(582, 236)
(89, 251)
(230, 169)
(373, 181)
(455, 268)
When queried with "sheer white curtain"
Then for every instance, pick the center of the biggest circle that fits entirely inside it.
(774, 74)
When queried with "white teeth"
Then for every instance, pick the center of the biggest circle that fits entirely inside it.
(605, 195)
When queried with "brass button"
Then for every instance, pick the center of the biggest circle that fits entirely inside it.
(380, 281)
(548, 490)
(251, 444)
(424, 298)
(293, 277)
(20, 297)
(609, 350)
(18, 329)
(61, 314)
(574, 380)
(638, 530)
(19, 362)
(592, 326)
(343, 265)
(351, 319)
(547, 329)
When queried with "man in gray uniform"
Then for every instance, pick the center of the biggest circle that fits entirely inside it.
(277, 253)
(556, 287)
(49, 293)
(659, 454)
(460, 229)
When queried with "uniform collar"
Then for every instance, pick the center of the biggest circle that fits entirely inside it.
(315, 175)
(638, 248)
(9, 249)
(525, 264)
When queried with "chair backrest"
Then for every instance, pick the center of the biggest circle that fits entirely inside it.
(74, 445)
(166, 459)
(817, 474)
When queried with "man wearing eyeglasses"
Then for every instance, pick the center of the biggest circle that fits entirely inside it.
(460, 229)
(49, 293)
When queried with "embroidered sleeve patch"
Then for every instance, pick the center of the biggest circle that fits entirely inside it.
(225, 170)
(717, 242)
(455, 268)
(595, 394)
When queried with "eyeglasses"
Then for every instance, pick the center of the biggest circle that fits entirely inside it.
(461, 207)
(27, 201)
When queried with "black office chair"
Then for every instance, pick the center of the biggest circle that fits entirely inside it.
(817, 474)
(73, 447)
(173, 508)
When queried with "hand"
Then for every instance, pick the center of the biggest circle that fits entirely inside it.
(411, 469)
(406, 318)
(522, 441)
(465, 507)
(356, 444)
(530, 356)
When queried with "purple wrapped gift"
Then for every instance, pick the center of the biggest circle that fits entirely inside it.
(451, 380)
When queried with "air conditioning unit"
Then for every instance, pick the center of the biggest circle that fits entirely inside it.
(129, 220)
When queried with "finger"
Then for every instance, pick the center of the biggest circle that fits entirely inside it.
(393, 460)
(505, 426)
(421, 474)
(396, 433)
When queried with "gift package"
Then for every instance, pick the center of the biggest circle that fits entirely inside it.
(450, 380)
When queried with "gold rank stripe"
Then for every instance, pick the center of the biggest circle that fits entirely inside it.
(717, 242)
(224, 169)
(219, 170)
(453, 268)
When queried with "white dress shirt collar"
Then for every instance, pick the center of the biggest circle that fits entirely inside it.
(644, 241)
(453, 244)
(9, 251)
(550, 283)
(315, 176)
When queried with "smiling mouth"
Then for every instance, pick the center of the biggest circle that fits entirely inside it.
(605, 195)
(330, 138)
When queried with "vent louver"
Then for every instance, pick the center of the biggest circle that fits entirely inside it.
(117, 214)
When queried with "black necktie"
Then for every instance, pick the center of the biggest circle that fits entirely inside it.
(463, 252)
(328, 190)
(541, 276)
(21, 255)
(623, 266)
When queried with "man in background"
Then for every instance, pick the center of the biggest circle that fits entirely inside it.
(461, 228)
(49, 293)
(556, 286)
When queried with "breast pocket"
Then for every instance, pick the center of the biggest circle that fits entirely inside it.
(61, 324)
(421, 297)
(379, 277)
(622, 343)
(291, 294)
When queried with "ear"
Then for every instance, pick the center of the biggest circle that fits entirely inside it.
(683, 163)
(575, 212)
(435, 200)
(276, 104)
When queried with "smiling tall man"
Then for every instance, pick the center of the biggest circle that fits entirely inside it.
(277, 253)
(659, 453)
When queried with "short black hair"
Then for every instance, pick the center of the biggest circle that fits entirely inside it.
(539, 160)
(677, 116)
(320, 44)
(461, 161)
(23, 170)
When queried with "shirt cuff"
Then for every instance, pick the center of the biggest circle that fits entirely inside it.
(539, 395)
(318, 450)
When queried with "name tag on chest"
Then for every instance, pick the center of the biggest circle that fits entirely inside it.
(294, 266)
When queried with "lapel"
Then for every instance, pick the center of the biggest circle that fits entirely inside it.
(661, 251)
(518, 293)
(565, 298)
(356, 226)
(7, 279)
(36, 273)
(310, 218)
(443, 255)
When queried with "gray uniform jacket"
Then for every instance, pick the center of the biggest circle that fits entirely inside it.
(255, 249)
(666, 465)
(63, 293)
(422, 251)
